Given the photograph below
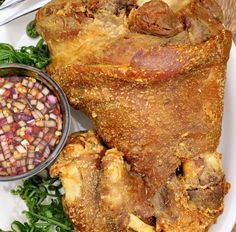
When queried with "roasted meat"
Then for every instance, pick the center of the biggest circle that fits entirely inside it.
(192, 201)
(149, 74)
(103, 194)
(100, 193)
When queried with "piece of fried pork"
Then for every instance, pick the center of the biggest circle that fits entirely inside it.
(150, 74)
(102, 194)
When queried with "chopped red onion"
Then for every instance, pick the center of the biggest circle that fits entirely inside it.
(47, 151)
(48, 106)
(2, 91)
(9, 170)
(41, 134)
(3, 138)
(8, 85)
(37, 161)
(25, 143)
(39, 114)
(36, 142)
(21, 149)
(30, 161)
(53, 142)
(41, 147)
(2, 158)
(53, 116)
(31, 123)
(21, 117)
(3, 121)
(4, 145)
(52, 99)
(7, 154)
(29, 128)
(22, 169)
(9, 135)
(25, 82)
(10, 119)
(31, 166)
(12, 160)
(30, 85)
(45, 91)
(50, 123)
(40, 105)
(22, 123)
(33, 102)
(22, 162)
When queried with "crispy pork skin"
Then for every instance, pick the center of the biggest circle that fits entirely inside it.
(152, 83)
(103, 194)
(150, 74)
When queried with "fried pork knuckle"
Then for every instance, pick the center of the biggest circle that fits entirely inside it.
(150, 74)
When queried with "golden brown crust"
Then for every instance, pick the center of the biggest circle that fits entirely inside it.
(155, 96)
(154, 65)
(156, 126)
(77, 166)
(155, 18)
(214, 9)
(100, 192)
(110, 197)
(182, 207)
(141, 57)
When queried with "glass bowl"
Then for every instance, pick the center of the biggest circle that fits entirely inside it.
(24, 70)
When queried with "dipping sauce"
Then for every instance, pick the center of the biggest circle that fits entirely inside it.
(30, 124)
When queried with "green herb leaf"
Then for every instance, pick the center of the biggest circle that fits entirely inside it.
(37, 56)
(31, 30)
(45, 213)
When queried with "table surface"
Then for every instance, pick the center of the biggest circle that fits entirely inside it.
(229, 9)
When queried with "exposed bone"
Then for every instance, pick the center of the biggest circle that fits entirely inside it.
(138, 225)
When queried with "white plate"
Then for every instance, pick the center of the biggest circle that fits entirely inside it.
(11, 207)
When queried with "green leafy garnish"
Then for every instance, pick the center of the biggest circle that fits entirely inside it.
(31, 30)
(37, 56)
(42, 196)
